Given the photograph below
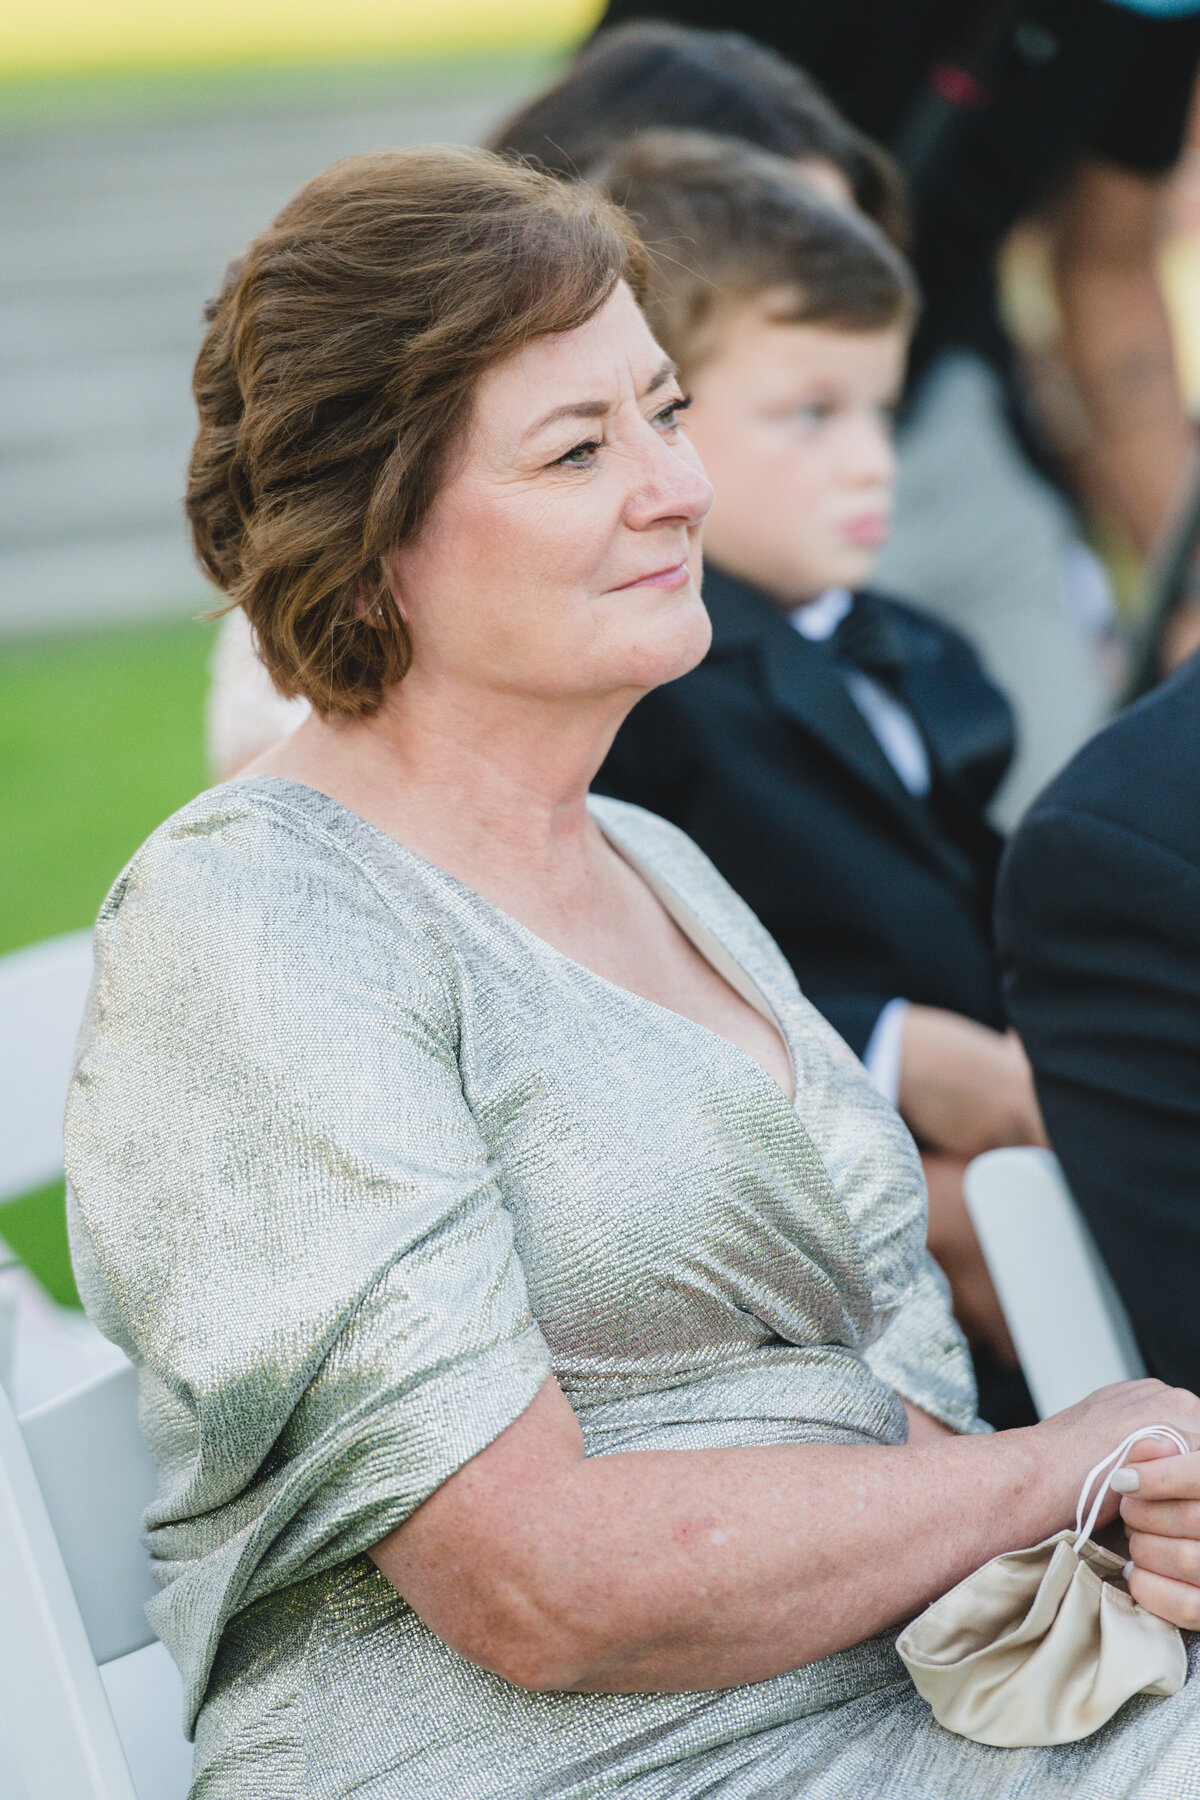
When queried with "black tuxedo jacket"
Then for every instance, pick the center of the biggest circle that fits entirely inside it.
(763, 758)
(1099, 925)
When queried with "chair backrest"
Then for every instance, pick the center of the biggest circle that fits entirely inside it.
(42, 992)
(1067, 1320)
(75, 1478)
(97, 1478)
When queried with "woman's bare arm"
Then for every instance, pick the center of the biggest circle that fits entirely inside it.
(921, 1428)
(687, 1570)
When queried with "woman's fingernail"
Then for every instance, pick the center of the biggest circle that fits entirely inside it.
(1125, 1481)
(1127, 1571)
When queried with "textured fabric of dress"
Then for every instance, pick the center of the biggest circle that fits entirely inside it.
(357, 1162)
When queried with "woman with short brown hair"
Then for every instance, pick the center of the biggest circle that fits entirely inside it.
(331, 391)
(550, 1389)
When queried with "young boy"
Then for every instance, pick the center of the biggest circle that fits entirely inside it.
(835, 751)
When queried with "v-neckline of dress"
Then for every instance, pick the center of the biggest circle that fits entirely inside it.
(702, 939)
(710, 947)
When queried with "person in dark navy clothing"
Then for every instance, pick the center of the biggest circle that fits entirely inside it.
(1098, 917)
(835, 752)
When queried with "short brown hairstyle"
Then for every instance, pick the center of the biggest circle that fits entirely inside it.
(725, 224)
(337, 376)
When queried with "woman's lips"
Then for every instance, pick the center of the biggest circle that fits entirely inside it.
(870, 530)
(676, 576)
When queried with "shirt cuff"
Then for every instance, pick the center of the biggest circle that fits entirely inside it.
(881, 1058)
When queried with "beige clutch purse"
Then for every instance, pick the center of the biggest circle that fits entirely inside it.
(1042, 1646)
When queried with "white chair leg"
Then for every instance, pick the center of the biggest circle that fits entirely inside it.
(53, 1700)
(146, 1696)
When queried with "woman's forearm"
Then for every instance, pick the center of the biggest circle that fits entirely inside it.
(688, 1570)
(684, 1570)
(784, 1556)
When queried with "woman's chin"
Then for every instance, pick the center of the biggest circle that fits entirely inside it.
(670, 645)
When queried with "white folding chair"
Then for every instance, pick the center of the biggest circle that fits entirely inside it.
(1067, 1320)
(44, 1349)
(42, 991)
(75, 1478)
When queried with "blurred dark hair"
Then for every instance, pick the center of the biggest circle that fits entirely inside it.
(725, 224)
(649, 74)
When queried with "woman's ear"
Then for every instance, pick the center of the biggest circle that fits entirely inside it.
(372, 619)
(374, 595)
(387, 590)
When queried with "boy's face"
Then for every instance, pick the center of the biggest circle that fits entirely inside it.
(793, 426)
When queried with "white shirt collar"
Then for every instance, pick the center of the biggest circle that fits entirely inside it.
(818, 619)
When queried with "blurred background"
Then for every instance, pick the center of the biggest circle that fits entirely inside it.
(141, 145)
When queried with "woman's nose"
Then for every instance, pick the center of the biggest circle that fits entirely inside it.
(674, 486)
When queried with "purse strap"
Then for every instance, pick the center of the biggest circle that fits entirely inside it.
(1166, 1434)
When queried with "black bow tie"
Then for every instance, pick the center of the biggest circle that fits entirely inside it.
(868, 639)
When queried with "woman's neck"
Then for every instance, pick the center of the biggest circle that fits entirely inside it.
(489, 787)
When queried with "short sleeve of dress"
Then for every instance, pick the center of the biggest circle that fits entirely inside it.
(923, 1356)
(284, 1210)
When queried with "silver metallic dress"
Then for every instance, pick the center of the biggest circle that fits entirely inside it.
(358, 1161)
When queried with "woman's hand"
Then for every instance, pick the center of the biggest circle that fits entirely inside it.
(1162, 1517)
(1077, 1438)
(963, 1088)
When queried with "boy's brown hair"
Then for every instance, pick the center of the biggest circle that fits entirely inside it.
(726, 225)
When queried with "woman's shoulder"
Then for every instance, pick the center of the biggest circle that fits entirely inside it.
(263, 828)
(269, 867)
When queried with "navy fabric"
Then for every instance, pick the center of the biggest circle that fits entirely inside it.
(1098, 919)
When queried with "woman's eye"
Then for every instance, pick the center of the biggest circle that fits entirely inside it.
(810, 417)
(579, 456)
(669, 416)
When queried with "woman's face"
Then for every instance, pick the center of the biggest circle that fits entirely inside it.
(561, 558)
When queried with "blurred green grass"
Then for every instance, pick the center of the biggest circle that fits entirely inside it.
(35, 1226)
(101, 736)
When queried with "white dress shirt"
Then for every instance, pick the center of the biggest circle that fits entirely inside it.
(895, 730)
